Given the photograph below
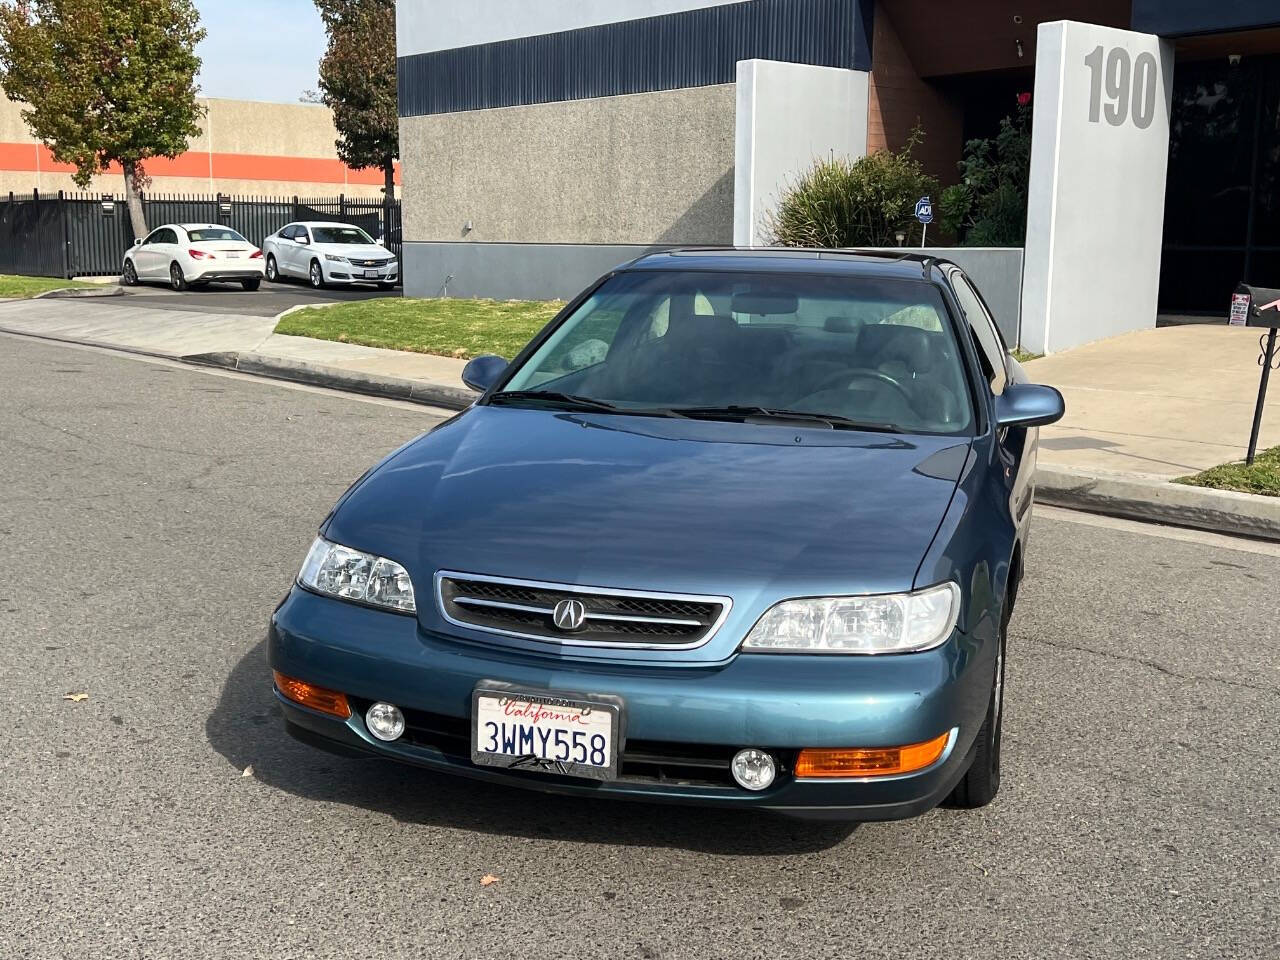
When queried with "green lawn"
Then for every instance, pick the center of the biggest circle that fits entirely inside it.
(1022, 356)
(15, 287)
(451, 328)
(1263, 477)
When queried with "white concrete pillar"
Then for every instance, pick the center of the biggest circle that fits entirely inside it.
(1095, 211)
(790, 114)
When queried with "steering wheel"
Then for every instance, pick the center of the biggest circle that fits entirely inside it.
(847, 377)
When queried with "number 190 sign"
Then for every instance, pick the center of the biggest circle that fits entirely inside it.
(1130, 86)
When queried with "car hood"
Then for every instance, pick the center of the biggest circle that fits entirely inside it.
(755, 513)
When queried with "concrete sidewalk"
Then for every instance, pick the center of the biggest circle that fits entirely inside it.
(1165, 403)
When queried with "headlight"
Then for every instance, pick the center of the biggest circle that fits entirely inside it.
(334, 258)
(352, 575)
(888, 623)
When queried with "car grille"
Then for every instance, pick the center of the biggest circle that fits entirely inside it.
(369, 263)
(526, 609)
(641, 761)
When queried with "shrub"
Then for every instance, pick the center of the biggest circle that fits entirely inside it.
(988, 208)
(866, 202)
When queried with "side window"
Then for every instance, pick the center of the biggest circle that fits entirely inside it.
(156, 236)
(287, 232)
(301, 233)
(991, 350)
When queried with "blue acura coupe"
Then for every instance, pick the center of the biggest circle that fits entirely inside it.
(739, 527)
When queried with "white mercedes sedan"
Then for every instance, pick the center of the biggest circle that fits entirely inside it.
(192, 255)
(325, 253)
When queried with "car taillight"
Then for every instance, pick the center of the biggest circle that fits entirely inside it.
(201, 255)
(256, 255)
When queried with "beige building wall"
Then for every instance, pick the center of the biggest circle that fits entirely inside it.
(245, 147)
(636, 169)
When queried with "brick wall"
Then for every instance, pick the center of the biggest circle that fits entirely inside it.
(899, 100)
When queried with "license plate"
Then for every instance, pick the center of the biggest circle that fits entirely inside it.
(372, 274)
(569, 735)
(233, 256)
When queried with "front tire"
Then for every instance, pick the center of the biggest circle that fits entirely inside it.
(251, 285)
(273, 271)
(176, 279)
(315, 275)
(129, 276)
(981, 782)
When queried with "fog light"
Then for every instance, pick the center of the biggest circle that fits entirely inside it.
(753, 769)
(385, 721)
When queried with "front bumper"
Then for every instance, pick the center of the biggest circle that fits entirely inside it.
(777, 702)
(349, 273)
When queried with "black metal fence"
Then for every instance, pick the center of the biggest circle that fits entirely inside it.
(85, 235)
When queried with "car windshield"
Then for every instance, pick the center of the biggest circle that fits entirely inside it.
(860, 351)
(340, 235)
(215, 233)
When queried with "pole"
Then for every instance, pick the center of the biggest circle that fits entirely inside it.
(924, 232)
(1267, 356)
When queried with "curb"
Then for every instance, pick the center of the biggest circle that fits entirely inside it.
(337, 378)
(297, 371)
(1140, 497)
(68, 293)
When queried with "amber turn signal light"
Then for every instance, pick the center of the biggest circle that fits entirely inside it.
(317, 698)
(874, 762)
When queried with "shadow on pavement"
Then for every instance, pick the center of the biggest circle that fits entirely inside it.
(246, 728)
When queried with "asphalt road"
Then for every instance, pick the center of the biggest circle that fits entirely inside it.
(152, 515)
(267, 301)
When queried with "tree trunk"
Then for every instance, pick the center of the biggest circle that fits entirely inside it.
(389, 174)
(136, 217)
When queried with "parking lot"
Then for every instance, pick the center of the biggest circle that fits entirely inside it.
(167, 814)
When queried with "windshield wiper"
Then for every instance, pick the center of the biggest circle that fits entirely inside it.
(746, 411)
(551, 396)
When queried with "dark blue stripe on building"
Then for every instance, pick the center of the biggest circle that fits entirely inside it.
(688, 49)
(1179, 18)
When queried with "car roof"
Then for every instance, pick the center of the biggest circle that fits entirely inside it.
(317, 223)
(895, 264)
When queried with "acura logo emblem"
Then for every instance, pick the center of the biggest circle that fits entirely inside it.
(569, 615)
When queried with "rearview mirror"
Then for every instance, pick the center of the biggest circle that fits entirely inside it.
(765, 304)
(137, 241)
(301, 239)
(483, 372)
(1029, 405)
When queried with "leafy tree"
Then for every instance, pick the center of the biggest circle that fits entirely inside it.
(105, 81)
(358, 83)
(988, 208)
(854, 203)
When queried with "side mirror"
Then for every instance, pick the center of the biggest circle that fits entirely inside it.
(137, 241)
(1029, 405)
(302, 240)
(483, 372)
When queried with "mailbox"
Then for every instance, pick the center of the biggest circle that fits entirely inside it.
(1255, 307)
(1258, 307)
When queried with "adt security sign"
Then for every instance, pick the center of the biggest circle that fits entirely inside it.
(924, 213)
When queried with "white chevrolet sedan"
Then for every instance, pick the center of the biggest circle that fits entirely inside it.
(192, 255)
(324, 253)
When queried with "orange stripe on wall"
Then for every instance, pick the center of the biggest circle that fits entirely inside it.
(224, 166)
(17, 156)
